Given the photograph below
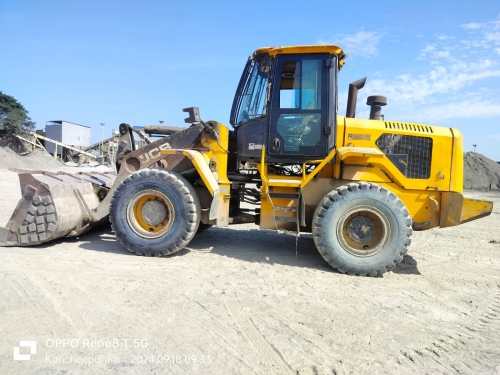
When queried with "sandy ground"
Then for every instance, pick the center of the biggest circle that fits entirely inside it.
(241, 301)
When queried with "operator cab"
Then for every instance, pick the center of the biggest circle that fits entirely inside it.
(286, 101)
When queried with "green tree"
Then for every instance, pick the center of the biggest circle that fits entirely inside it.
(14, 117)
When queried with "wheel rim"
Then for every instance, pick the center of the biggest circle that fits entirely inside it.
(363, 231)
(150, 214)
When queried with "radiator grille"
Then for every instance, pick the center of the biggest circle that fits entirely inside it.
(409, 127)
(415, 153)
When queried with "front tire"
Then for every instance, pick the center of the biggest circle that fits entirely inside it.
(362, 229)
(154, 212)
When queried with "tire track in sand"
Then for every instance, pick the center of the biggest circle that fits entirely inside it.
(263, 348)
(446, 353)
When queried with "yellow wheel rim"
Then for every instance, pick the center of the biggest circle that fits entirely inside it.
(150, 214)
(363, 231)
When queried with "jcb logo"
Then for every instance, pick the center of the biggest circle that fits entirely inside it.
(145, 158)
(153, 154)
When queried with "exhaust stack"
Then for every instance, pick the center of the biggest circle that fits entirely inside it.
(352, 97)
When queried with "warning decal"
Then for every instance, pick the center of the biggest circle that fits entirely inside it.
(255, 146)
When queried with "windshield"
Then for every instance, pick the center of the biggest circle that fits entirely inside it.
(250, 100)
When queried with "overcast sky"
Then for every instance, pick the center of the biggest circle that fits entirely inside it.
(96, 61)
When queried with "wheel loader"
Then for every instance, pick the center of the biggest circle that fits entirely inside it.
(360, 186)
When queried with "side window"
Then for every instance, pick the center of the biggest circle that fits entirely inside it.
(300, 98)
(290, 85)
(300, 84)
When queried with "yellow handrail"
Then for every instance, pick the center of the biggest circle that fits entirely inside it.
(307, 178)
(263, 174)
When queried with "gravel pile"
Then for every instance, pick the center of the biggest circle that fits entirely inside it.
(480, 173)
(37, 160)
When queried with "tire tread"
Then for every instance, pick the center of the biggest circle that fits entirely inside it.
(337, 194)
(190, 199)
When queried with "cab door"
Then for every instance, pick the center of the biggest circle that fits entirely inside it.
(299, 111)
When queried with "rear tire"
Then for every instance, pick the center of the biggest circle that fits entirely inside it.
(154, 212)
(362, 229)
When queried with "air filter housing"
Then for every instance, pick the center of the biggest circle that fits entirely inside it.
(376, 102)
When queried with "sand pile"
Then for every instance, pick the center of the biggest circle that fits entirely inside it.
(36, 160)
(480, 173)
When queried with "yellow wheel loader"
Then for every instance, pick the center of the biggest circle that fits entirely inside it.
(360, 186)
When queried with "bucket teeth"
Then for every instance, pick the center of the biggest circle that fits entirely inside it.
(40, 212)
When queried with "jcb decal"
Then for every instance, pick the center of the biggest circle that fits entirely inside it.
(153, 154)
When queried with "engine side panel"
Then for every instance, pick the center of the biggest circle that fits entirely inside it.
(419, 155)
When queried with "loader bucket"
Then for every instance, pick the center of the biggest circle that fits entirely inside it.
(55, 205)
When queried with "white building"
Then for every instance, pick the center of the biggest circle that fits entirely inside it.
(68, 133)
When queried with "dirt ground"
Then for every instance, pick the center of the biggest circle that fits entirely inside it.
(242, 301)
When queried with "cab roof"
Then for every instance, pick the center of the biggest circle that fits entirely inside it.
(332, 49)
